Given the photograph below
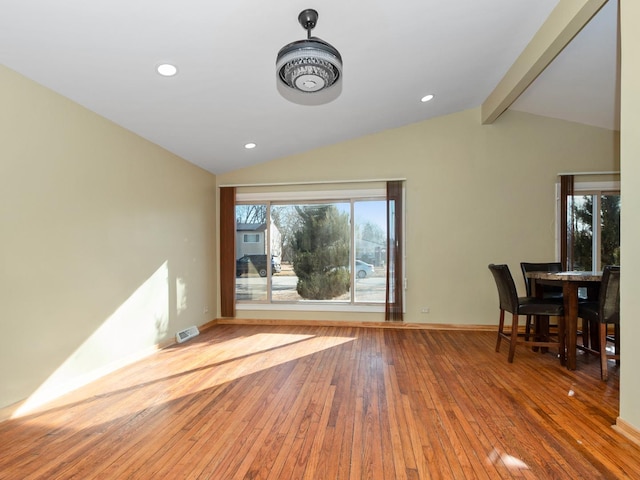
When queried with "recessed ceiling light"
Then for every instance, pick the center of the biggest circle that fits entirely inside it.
(249, 146)
(167, 70)
(426, 98)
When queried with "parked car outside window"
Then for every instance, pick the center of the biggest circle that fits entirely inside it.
(363, 269)
(256, 263)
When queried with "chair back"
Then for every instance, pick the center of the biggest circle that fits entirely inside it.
(610, 295)
(541, 267)
(507, 292)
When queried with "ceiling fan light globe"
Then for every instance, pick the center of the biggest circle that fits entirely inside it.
(309, 65)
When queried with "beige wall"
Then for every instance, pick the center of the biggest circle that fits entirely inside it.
(475, 195)
(107, 244)
(630, 155)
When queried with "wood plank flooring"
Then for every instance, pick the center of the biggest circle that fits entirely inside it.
(298, 402)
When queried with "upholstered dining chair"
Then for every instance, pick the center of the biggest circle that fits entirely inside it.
(510, 302)
(548, 291)
(605, 312)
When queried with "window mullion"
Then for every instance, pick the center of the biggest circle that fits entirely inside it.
(597, 231)
(352, 253)
(268, 250)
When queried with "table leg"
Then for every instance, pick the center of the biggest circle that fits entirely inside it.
(536, 291)
(570, 294)
(542, 331)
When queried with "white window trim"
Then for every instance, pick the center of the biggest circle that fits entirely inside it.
(595, 186)
(303, 306)
(311, 195)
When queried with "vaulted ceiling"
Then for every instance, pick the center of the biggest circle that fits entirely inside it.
(103, 54)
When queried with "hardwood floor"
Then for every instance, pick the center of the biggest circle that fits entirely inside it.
(292, 402)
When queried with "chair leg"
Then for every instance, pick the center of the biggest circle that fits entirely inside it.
(585, 334)
(514, 337)
(594, 336)
(604, 374)
(500, 330)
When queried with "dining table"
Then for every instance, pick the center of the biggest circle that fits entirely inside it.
(571, 282)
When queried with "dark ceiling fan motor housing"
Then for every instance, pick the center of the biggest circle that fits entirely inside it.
(309, 65)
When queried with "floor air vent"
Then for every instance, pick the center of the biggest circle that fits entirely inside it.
(186, 334)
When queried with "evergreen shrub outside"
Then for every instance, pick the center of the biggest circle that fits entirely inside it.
(321, 252)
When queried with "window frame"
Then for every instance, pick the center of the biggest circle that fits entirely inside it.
(351, 196)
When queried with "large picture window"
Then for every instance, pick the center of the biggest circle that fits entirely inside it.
(327, 250)
(322, 252)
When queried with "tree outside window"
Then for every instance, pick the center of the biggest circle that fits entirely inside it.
(596, 244)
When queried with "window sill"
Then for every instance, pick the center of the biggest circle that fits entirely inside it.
(311, 307)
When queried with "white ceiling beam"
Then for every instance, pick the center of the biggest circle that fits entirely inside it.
(564, 23)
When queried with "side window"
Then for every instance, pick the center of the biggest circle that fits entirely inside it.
(595, 227)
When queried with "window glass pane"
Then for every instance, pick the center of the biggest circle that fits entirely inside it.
(315, 252)
(610, 230)
(583, 232)
(251, 256)
(283, 286)
(370, 250)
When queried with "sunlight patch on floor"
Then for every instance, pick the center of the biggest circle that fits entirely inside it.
(216, 364)
(509, 461)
